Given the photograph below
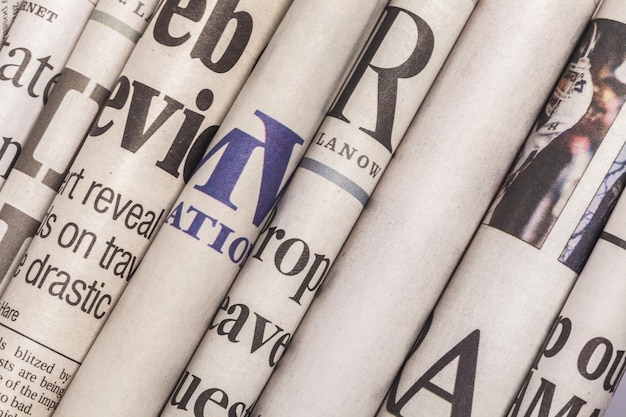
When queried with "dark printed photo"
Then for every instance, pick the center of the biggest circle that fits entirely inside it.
(592, 222)
(577, 117)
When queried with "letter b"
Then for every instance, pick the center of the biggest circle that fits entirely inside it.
(223, 13)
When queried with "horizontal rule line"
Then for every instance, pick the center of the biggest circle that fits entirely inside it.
(613, 239)
(40, 344)
(117, 25)
(336, 177)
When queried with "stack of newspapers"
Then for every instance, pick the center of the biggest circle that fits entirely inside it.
(291, 208)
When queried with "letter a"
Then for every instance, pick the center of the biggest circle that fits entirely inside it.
(461, 398)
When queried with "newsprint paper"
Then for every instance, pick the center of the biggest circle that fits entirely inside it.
(582, 360)
(8, 10)
(142, 148)
(90, 73)
(515, 276)
(31, 59)
(338, 173)
(183, 279)
(425, 209)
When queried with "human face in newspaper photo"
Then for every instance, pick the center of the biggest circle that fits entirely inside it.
(567, 135)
